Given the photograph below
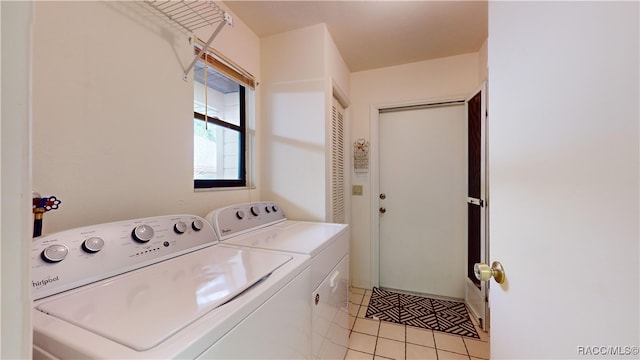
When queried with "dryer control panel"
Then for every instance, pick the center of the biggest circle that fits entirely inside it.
(238, 219)
(76, 257)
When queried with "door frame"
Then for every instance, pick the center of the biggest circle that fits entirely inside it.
(374, 153)
(483, 292)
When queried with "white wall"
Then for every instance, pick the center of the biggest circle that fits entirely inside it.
(294, 156)
(337, 71)
(112, 115)
(483, 69)
(298, 72)
(450, 77)
(338, 86)
(15, 219)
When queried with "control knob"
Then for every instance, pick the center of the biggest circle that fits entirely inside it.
(142, 233)
(197, 225)
(240, 214)
(93, 244)
(54, 253)
(180, 227)
(255, 210)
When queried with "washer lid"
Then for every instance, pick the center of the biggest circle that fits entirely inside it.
(144, 307)
(292, 236)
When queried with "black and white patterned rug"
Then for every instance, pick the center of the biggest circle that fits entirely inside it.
(440, 315)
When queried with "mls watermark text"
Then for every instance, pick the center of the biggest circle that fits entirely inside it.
(608, 350)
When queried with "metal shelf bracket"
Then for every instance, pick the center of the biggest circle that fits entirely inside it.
(192, 15)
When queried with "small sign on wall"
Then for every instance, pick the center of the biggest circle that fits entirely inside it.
(361, 156)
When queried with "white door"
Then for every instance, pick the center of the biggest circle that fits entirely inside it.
(16, 219)
(564, 178)
(423, 178)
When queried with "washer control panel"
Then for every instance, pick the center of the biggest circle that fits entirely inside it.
(76, 257)
(242, 218)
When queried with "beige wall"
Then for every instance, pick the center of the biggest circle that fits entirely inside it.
(299, 69)
(483, 69)
(112, 133)
(338, 86)
(336, 69)
(445, 78)
(110, 107)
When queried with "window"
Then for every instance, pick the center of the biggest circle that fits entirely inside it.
(219, 126)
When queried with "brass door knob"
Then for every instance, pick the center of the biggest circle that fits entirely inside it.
(382, 210)
(483, 272)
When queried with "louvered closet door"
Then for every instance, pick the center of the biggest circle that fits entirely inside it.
(337, 163)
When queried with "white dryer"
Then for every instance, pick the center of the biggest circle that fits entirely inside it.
(162, 288)
(263, 225)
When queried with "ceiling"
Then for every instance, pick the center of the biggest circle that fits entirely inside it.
(373, 34)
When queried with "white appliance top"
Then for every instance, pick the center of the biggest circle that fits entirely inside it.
(138, 282)
(141, 309)
(291, 236)
(80, 256)
(270, 229)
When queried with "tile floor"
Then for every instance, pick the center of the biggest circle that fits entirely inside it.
(374, 339)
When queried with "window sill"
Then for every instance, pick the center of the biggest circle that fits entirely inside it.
(236, 188)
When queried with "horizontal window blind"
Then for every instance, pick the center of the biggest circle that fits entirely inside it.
(225, 66)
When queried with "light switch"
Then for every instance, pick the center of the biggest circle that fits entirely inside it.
(356, 190)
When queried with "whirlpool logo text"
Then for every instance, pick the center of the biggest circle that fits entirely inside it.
(44, 282)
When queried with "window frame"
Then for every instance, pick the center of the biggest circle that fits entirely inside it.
(242, 130)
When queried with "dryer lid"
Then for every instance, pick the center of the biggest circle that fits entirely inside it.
(291, 236)
(143, 308)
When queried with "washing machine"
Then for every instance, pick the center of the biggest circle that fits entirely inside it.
(263, 225)
(164, 287)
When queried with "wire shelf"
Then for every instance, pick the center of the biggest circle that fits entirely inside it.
(190, 14)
